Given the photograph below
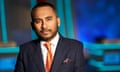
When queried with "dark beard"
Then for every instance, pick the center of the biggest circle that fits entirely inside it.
(46, 39)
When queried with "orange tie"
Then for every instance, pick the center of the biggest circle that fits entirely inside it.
(49, 57)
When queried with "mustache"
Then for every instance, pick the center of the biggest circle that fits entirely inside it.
(45, 30)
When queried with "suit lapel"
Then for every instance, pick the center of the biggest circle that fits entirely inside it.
(60, 53)
(37, 56)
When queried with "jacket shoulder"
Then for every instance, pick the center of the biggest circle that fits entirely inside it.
(73, 41)
(29, 45)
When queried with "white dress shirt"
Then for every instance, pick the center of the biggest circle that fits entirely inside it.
(54, 43)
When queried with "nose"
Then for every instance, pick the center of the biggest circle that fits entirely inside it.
(44, 25)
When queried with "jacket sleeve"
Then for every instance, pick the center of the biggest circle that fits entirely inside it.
(19, 67)
(80, 65)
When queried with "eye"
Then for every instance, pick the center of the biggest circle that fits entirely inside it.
(49, 18)
(36, 21)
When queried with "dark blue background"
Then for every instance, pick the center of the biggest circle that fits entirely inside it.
(95, 18)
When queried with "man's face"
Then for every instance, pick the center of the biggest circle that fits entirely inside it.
(45, 22)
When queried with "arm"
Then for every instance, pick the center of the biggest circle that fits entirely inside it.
(80, 60)
(19, 67)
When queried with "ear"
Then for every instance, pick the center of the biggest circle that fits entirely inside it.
(32, 25)
(58, 21)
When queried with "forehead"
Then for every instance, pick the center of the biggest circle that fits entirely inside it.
(42, 11)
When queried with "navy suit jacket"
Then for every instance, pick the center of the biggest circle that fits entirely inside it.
(68, 57)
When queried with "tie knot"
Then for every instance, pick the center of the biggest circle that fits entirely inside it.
(48, 45)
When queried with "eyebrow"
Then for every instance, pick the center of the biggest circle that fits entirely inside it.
(36, 19)
(48, 17)
(40, 18)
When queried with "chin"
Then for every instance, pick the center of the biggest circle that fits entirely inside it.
(46, 39)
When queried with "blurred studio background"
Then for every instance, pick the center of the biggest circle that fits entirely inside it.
(94, 22)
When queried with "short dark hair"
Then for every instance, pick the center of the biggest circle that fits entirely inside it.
(42, 4)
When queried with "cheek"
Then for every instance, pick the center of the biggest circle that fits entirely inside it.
(55, 27)
(37, 26)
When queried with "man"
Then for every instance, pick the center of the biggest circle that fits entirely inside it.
(66, 55)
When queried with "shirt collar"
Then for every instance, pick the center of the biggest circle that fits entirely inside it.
(55, 40)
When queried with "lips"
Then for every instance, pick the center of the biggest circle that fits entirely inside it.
(45, 32)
